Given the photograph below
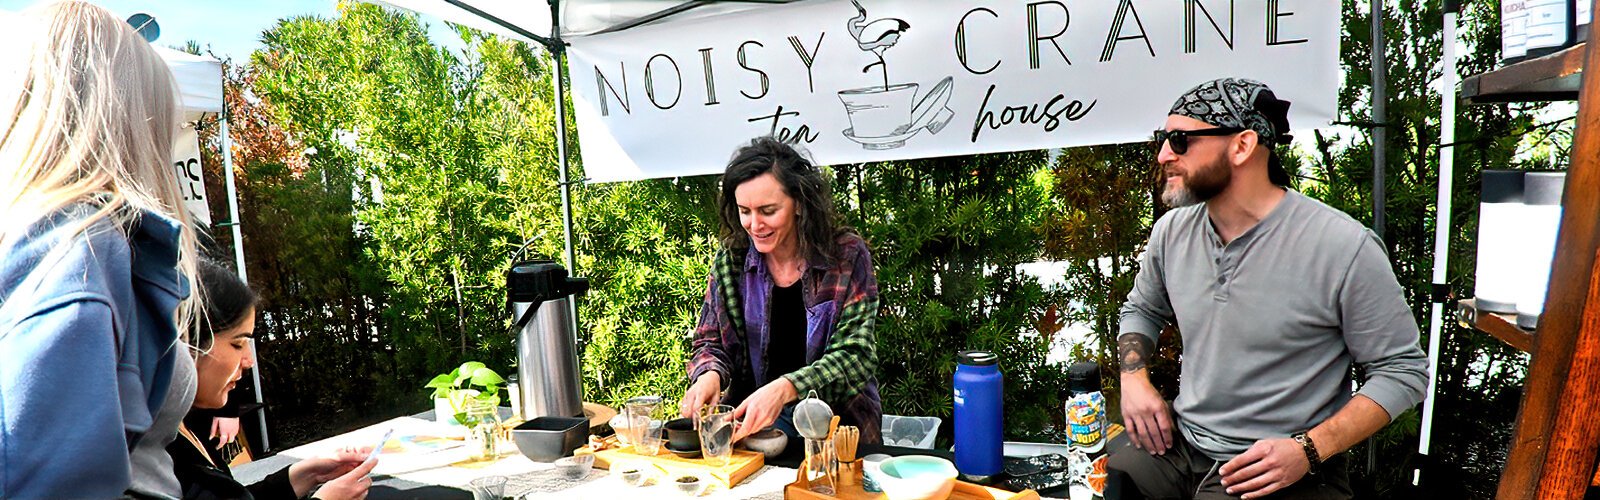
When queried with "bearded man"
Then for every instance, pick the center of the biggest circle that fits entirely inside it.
(1274, 296)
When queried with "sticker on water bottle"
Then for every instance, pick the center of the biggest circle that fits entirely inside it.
(960, 400)
(1086, 417)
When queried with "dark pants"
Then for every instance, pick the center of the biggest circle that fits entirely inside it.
(1186, 473)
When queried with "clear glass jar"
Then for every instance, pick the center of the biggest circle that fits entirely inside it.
(483, 430)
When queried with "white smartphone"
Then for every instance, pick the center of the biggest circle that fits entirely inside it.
(379, 447)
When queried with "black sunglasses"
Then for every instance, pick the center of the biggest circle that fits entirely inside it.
(1180, 138)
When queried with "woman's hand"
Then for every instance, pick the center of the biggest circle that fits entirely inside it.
(352, 485)
(224, 429)
(307, 474)
(703, 392)
(761, 409)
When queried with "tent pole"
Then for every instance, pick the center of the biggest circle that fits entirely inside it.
(1441, 236)
(238, 258)
(558, 52)
(1380, 140)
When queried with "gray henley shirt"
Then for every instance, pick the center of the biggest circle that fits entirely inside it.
(1271, 322)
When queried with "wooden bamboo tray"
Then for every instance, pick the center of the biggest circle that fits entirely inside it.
(800, 489)
(741, 465)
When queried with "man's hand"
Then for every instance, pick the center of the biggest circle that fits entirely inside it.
(224, 430)
(703, 392)
(1146, 415)
(762, 408)
(1268, 466)
(1144, 412)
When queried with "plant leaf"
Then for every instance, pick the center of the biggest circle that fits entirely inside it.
(486, 377)
(441, 381)
(466, 371)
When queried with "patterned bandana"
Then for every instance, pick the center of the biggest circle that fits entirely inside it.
(1237, 102)
(1241, 103)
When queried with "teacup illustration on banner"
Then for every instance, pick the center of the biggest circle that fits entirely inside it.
(884, 117)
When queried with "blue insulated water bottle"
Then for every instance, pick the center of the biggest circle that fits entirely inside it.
(979, 424)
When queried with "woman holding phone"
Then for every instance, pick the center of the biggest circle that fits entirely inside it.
(225, 346)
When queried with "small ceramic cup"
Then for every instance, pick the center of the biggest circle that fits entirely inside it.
(575, 467)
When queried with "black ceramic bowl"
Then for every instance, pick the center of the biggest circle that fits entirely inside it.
(682, 435)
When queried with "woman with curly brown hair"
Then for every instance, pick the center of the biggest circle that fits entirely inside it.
(791, 300)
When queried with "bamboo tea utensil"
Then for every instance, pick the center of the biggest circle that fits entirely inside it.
(844, 447)
(845, 442)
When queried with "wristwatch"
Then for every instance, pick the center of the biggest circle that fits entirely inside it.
(1313, 458)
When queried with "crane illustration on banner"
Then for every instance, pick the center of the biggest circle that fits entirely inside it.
(884, 117)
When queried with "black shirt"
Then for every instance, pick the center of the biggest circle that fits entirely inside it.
(786, 347)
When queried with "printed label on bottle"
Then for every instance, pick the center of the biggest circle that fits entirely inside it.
(1547, 23)
(1513, 29)
(1086, 418)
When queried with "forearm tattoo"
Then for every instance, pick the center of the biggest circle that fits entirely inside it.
(1134, 351)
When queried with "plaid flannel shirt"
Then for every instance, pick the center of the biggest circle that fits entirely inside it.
(841, 302)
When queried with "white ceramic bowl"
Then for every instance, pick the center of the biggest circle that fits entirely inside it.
(634, 473)
(769, 442)
(692, 488)
(915, 477)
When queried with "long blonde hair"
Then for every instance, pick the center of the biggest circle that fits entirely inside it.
(88, 112)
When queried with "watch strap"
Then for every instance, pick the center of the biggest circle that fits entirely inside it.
(1313, 458)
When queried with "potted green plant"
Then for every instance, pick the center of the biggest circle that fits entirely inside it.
(470, 385)
(472, 392)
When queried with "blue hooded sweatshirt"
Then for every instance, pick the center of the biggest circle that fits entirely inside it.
(87, 343)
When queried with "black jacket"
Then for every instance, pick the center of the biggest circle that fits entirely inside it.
(203, 481)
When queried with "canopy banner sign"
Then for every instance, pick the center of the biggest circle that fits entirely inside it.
(874, 80)
(186, 163)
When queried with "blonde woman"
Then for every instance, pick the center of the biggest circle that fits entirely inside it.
(94, 257)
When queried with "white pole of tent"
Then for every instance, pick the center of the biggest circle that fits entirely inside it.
(238, 258)
(558, 52)
(1441, 235)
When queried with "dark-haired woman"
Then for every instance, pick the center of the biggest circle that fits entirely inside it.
(791, 300)
(225, 344)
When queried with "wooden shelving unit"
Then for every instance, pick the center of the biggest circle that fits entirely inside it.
(1501, 326)
(1557, 439)
(1553, 77)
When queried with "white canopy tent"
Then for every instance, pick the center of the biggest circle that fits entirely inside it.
(533, 22)
(199, 81)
